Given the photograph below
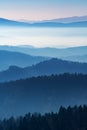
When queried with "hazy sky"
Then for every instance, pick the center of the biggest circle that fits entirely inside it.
(42, 9)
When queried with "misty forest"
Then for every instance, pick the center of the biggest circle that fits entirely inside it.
(43, 88)
(43, 64)
(71, 118)
(48, 94)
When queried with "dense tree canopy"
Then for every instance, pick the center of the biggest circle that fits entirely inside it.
(42, 94)
(71, 118)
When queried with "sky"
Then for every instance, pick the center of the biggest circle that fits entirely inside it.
(42, 9)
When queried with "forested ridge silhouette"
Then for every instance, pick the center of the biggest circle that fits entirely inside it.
(70, 118)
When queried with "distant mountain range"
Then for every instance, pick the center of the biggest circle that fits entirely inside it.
(78, 54)
(48, 67)
(61, 20)
(77, 58)
(6, 22)
(69, 19)
(9, 58)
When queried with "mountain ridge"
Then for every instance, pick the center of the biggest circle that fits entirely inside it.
(7, 22)
(47, 51)
(69, 19)
(47, 67)
(9, 58)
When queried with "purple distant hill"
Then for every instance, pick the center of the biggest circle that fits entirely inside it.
(69, 19)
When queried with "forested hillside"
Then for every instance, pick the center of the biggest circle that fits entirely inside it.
(42, 94)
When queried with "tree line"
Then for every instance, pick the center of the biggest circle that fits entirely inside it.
(71, 118)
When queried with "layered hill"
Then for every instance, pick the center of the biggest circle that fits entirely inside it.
(77, 58)
(48, 67)
(69, 19)
(42, 94)
(7, 22)
(74, 53)
(9, 58)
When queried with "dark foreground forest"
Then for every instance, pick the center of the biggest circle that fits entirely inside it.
(74, 118)
(42, 94)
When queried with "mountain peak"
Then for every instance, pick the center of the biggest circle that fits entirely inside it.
(13, 67)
